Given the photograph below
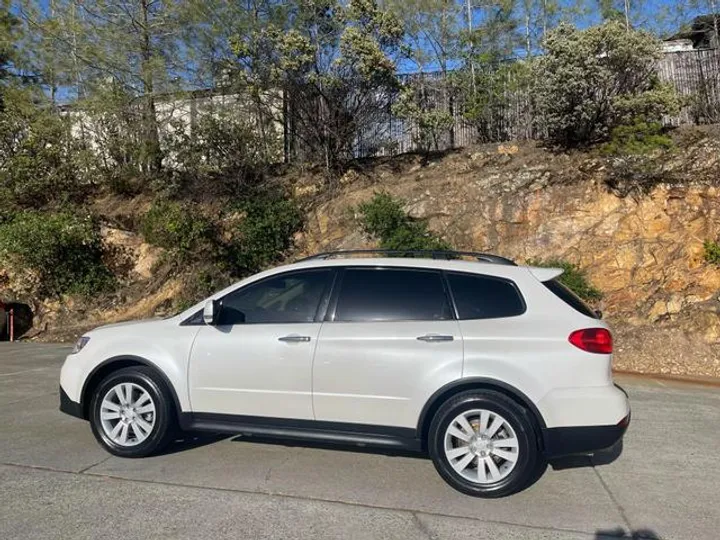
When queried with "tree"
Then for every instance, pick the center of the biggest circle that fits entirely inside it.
(612, 10)
(41, 164)
(432, 30)
(8, 36)
(333, 64)
(432, 46)
(490, 74)
(590, 81)
(140, 49)
(538, 17)
(494, 35)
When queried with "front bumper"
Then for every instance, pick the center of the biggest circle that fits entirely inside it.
(565, 441)
(68, 406)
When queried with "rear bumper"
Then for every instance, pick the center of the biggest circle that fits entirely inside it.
(68, 406)
(564, 441)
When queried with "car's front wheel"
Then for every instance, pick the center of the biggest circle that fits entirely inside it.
(131, 413)
(483, 444)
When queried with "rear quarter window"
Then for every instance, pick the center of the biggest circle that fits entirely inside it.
(485, 297)
(570, 298)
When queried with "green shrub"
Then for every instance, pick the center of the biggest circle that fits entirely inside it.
(712, 252)
(573, 277)
(41, 164)
(590, 81)
(177, 227)
(128, 150)
(637, 139)
(62, 250)
(262, 236)
(487, 97)
(224, 141)
(433, 123)
(384, 219)
(266, 231)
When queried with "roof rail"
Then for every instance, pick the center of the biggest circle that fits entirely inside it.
(418, 253)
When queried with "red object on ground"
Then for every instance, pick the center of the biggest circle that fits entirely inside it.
(3, 312)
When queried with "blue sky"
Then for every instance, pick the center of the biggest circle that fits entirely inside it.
(663, 17)
(650, 13)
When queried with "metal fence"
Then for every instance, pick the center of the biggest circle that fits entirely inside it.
(696, 77)
(694, 74)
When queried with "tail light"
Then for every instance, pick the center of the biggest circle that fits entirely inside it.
(593, 340)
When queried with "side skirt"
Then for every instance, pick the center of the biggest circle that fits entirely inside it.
(304, 430)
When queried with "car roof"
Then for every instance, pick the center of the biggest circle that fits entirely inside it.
(478, 267)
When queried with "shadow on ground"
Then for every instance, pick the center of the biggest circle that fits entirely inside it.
(188, 441)
(257, 439)
(421, 455)
(619, 532)
(603, 457)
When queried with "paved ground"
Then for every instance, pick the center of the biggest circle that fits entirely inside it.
(55, 482)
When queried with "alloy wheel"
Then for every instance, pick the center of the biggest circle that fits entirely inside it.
(481, 446)
(127, 414)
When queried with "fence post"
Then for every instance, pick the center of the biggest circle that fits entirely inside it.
(11, 315)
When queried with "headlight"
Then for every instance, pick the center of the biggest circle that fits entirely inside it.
(80, 344)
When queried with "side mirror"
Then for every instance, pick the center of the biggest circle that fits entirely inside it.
(210, 312)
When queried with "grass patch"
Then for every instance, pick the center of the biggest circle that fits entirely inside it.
(711, 252)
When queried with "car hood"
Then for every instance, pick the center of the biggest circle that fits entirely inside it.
(143, 322)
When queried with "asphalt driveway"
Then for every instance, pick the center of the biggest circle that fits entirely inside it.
(56, 482)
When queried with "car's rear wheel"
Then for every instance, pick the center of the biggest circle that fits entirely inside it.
(483, 444)
(131, 412)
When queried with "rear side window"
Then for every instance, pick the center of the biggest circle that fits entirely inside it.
(377, 294)
(570, 298)
(485, 297)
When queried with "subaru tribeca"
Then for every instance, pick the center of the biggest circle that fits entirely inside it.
(489, 367)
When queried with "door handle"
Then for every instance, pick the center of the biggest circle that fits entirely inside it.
(294, 339)
(435, 337)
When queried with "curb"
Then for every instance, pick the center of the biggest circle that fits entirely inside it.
(697, 380)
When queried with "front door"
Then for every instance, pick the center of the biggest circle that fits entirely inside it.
(257, 360)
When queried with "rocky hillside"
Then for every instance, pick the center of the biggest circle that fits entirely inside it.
(636, 229)
(642, 249)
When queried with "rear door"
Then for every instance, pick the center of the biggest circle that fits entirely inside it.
(389, 341)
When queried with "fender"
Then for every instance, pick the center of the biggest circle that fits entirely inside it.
(84, 401)
(470, 383)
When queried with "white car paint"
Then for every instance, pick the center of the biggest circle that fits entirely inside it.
(380, 373)
(245, 370)
(374, 373)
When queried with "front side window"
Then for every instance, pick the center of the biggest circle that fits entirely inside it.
(288, 298)
(485, 297)
(378, 294)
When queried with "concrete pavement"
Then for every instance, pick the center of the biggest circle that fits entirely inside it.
(56, 482)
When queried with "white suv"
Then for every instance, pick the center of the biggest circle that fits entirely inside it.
(487, 366)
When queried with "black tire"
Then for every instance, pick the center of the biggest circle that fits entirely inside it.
(164, 427)
(526, 468)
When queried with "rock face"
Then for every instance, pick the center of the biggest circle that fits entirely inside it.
(644, 252)
(138, 257)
